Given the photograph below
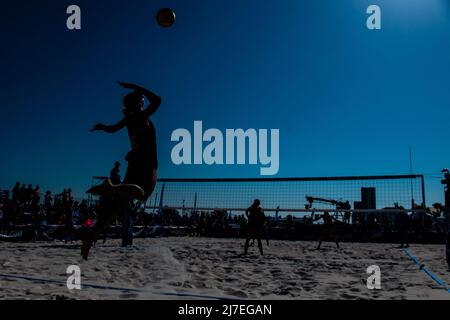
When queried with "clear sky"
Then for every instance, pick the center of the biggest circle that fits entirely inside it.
(347, 101)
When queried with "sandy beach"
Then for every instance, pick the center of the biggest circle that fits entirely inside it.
(192, 268)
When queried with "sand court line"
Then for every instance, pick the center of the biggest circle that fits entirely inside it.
(425, 269)
(104, 287)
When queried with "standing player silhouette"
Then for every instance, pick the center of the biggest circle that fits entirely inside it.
(328, 229)
(142, 162)
(256, 227)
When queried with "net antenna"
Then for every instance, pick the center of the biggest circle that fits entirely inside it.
(411, 173)
(195, 204)
(154, 205)
(161, 199)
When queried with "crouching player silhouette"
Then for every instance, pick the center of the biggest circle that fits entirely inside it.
(141, 175)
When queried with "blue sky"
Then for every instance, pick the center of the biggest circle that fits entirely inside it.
(347, 101)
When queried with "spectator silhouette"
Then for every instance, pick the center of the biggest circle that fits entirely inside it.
(23, 194)
(29, 194)
(16, 193)
(36, 199)
(115, 174)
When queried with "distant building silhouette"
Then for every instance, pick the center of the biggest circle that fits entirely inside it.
(368, 199)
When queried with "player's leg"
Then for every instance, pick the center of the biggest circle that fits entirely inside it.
(247, 244)
(249, 237)
(127, 225)
(150, 185)
(266, 235)
(91, 238)
(334, 236)
(260, 246)
(107, 209)
(138, 174)
(322, 237)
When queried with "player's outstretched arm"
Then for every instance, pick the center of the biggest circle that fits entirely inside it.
(155, 101)
(110, 129)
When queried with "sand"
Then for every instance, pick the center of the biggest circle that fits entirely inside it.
(167, 267)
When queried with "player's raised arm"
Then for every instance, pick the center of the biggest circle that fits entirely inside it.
(110, 129)
(155, 101)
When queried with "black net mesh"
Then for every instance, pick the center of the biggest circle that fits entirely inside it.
(290, 194)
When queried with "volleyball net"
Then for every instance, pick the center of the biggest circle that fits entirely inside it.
(292, 195)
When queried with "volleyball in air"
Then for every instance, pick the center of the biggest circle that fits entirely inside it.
(166, 17)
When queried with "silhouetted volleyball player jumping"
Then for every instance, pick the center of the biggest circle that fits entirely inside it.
(142, 161)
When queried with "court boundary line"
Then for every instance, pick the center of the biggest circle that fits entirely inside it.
(425, 269)
(105, 287)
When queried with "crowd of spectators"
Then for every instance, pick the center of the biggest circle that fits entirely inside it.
(26, 205)
(197, 223)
